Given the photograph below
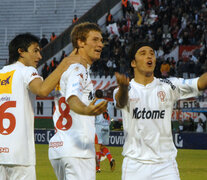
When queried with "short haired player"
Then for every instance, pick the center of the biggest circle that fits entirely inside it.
(71, 149)
(19, 83)
(147, 103)
(102, 123)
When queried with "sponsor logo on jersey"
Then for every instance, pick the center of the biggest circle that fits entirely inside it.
(56, 144)
(4, 150)
(168, 82)
(143, 114)
(134, 99)
(6, 82)
(5, 98)
(161, 95)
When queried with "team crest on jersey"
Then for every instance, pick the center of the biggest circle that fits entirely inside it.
(6, 82)
(34, 74)
(161, 95)
(81, 75)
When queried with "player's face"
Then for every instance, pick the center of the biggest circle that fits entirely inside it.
(145, 61)
(93, 46)
(32, 56)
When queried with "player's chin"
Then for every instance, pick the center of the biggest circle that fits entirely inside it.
(97, 57)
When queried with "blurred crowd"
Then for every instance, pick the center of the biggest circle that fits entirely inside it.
(167, 24)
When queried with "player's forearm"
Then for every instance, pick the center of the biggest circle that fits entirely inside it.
(122, 96)
(202, 82)
(77, 105)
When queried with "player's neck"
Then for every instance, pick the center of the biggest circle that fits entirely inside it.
(85, 57)
(144, 79)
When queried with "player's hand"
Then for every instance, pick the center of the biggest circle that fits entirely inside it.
(97, 109)
(122, 80)
(74, 58)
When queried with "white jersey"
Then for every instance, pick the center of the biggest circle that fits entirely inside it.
(17, 115)
(147, 118)
(102, 119)
(75, 133)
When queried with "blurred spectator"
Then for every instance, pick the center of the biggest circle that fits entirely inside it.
(53, 64)
(124, 5)
(53, 36)
(75, 19)
(45, 71)
(180, 126)
(200, 126)
(200, 116)
(62, 56)
(191, 68)
(109, 18)
(188, 125)
(165, 69)
(43, 41)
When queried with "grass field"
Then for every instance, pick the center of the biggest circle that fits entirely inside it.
(192, 165)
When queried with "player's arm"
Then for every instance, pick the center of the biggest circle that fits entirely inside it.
(43, 88)
(202, 82)
(122, 94)
(79, 107)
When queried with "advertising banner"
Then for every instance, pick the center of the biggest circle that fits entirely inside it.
(182, 140)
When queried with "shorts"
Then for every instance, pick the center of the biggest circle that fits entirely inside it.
(14, 172)
(133, 170)
(69, 168)
(102, 134)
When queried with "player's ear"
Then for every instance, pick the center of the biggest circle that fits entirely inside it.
(20, 51)
(133, 63)
(80, 43)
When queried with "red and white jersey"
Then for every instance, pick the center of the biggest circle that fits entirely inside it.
(17, 115)
(75, 133)
(147, 118)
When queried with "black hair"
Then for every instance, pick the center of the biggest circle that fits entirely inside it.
(21, 41)
(136, 46)
(99, 93)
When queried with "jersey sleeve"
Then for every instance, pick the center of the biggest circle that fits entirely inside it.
(30, 74)
(186, 88)
(73, 80)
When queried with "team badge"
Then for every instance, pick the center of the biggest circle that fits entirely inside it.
(161, 95)
(6, 82)
(34, 74)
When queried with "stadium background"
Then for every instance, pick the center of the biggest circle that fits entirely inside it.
(45, 17)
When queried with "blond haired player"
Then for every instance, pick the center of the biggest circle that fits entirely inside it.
(19, 82)
(147, 103)
(71, 149)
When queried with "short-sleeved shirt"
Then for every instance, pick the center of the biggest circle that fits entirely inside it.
(17, 115)
(147, 118)
(75, 133)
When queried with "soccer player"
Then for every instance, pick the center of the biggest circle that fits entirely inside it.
(102, 123)
(19, 83)
(72, 149)
(147, 103)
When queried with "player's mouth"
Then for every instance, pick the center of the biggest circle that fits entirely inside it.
(149, 63)
(98, 51)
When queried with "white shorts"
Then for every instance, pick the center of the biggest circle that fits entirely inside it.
(102, 134)
(14, 172)
(69, 168)
(133, 170)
